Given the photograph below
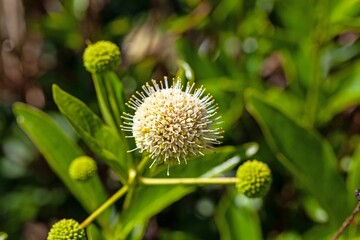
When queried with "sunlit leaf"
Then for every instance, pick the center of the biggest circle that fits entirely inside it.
(59, 152)
(304, 153)
(99, 137)
(236, 219)
(93, 233)
(346, 94)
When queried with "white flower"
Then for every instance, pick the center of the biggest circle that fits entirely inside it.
(170, 124)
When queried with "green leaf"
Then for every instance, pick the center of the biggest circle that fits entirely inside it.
(345, 11)
(318, 232)
(93, 233)
(314, 210)
(346, 95)
(99, 137)
(184, 72)
(59, 152)
(103, 101)
(231, 103)
(308, 156)
(114, 89)
(237, 219)
(150, 200)
(353, 180)
(286, 101)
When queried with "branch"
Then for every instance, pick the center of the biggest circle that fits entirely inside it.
(349, 219)
(186, 181)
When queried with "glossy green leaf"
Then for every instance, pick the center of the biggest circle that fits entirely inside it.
(150, 200)
(308, 156)
(59, 152)
(99, 137)
(236, 219)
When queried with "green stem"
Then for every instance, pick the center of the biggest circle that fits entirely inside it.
(93, 188)
(186, 181)
(313, 91)
(102, 99)
(104, 206)
(117, 89)
(114, 100)
(114, 88)
(113, 106)
(317, 40)
(132, 181)
(131, 184)
(109, 93)
(142, 164)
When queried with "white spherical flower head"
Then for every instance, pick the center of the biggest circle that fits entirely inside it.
(170, 124)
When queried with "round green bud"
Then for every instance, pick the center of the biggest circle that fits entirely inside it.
(101, 56)
(82, 168)
(66, 229)
(254, 179)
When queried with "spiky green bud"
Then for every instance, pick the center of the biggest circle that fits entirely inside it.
(101, 56)
(82, 168)
(254, 179)
(66, 229)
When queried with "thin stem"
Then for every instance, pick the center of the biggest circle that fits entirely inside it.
(103, 102)
(104, 206)
(313, 94)
(186, 181)
(92, 189)
(347, 222)
(117, 88)
(113, 99)
(131, 184)
(141, 165)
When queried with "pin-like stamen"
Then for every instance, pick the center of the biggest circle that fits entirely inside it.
(172, 124)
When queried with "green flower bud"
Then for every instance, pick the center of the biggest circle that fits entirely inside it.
(82, 168)
(254, 179)
(101, 56)
(66, 229)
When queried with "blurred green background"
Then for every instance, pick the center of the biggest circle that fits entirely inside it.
(301, 56)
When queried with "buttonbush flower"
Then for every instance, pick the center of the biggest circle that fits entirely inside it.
(172, 124)
(82, 168)
(101, 56)
(254, 179)
(66, 229)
